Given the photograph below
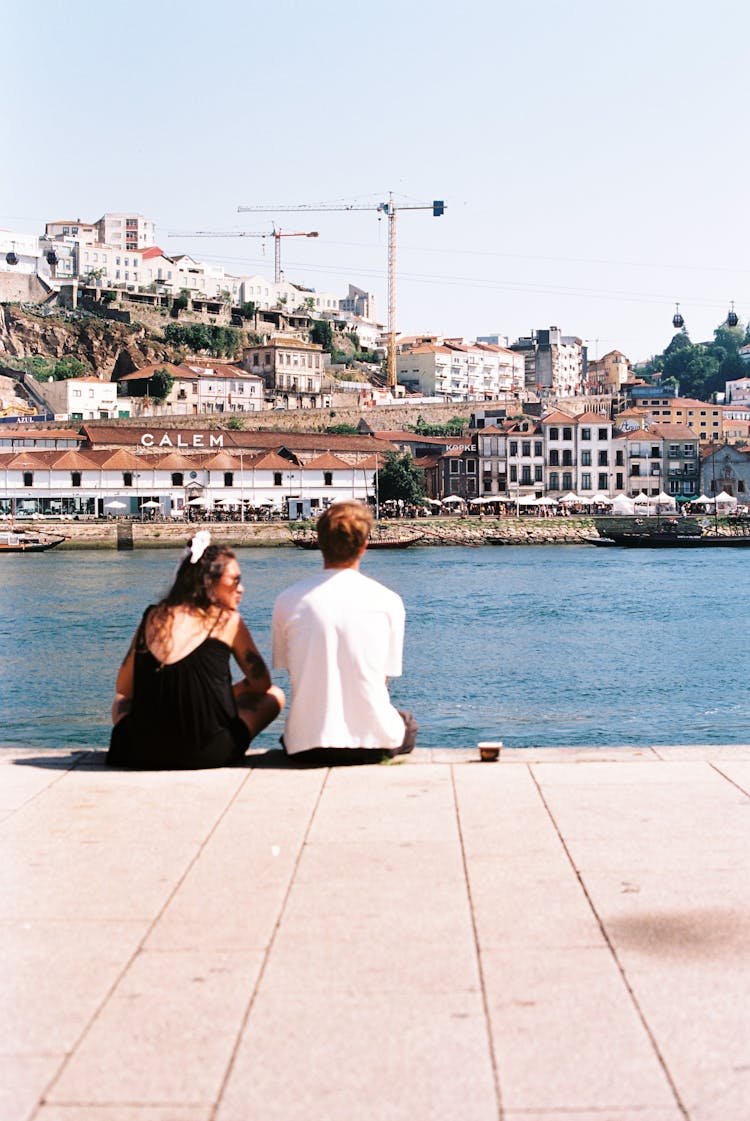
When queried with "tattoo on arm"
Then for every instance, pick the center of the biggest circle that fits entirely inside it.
(254, 666)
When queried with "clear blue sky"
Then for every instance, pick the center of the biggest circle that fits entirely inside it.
(592, 156)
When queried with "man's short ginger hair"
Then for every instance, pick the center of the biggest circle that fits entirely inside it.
(343, 530)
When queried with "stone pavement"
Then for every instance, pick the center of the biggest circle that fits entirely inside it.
(560, 936)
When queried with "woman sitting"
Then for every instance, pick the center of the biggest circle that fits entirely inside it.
(175, 705)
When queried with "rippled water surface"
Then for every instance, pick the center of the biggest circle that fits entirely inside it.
(551, 645)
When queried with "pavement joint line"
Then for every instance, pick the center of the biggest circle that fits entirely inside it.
(42, 1101)
(480, 968)
(267, 952)
(611, 947)
(733, 782)
(43, 790)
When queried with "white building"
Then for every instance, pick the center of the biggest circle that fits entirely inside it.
(459, 371)
(196, 389)
(126, 231)
(559, 362)
(84, 398)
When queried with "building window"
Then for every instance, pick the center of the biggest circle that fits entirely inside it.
(28, 478)
(620, 459)
(567, 459)
(177, 478)
(75, 478)
(277, 478)
(526, 476)
(526, 447)
(328, 478)
(554, 458)
(567, 480)
(229, 478)
(514, 447)
(585, 459)
(538, 450)
(127, 478)
(585, 433)
(586, 480)
(513, 473)
(567, 433)
(554, 481)
(602, 433)
(603, 459)
(554, 433)
(603, 481)
(538, 475)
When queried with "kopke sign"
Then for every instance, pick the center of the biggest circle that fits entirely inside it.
(196, 440)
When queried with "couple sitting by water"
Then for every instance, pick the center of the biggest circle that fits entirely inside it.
(338, 633)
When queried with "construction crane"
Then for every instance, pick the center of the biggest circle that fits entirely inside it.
(275, 234)
(390, 209)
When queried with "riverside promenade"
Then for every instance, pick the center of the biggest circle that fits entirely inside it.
(563, 935)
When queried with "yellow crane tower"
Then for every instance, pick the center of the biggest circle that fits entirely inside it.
(390, 209)
(275, 234)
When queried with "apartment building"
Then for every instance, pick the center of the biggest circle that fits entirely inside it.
(607, 374)
(663, 457)
(553, 362)
(291, 369)
(705, 420)
(459, 371)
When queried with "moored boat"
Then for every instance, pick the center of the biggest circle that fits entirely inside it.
(381, 540)
(21, 541)
(632, 540)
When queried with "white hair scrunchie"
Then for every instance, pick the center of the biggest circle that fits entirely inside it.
(198, 545)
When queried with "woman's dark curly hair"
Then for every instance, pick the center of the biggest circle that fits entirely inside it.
(194, 585)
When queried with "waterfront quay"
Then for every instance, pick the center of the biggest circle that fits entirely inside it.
(558, 936)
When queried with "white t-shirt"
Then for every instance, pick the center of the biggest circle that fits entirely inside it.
(340, 635)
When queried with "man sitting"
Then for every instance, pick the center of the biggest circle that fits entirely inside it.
(340, 635)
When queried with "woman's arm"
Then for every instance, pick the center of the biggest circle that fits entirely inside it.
(125, 683)
(248, 658)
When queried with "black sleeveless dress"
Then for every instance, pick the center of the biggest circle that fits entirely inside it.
(183, 715)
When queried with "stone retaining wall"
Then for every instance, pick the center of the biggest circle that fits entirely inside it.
(435, 531)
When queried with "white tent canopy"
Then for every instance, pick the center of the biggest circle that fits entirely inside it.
(570, 498)
(602, 498)
(725, 499)
(621, 504)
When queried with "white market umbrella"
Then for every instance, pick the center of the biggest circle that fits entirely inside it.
(570, 498)
(197, 502)
(115, 504)
(452, 498)
(150, 505)
(545, 501)
(527, 500)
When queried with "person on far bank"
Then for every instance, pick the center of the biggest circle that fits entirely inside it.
(340, 635)
(175, 705)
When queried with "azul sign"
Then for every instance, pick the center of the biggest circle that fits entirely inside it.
(195, 440)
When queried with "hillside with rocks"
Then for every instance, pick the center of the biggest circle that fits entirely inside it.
(110, 349)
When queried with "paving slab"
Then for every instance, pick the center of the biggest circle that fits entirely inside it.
(557, 936)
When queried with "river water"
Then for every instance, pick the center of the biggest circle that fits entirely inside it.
(555, 645)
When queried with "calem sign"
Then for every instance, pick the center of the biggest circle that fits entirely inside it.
(194, 440)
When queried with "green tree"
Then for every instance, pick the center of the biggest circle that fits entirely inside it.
(65, 368)
(400, 478)
(160, 384)
(247, 309)
(236, 422)
(321, 333)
